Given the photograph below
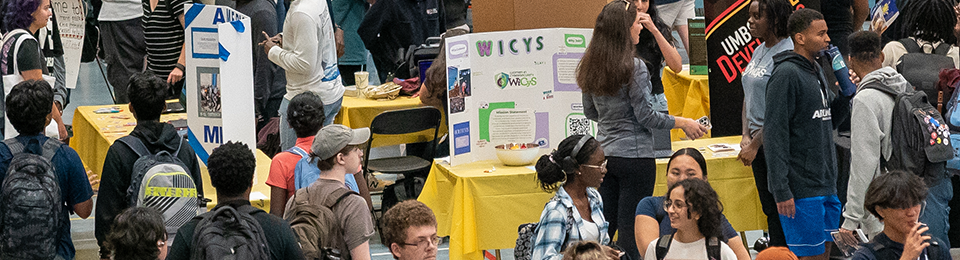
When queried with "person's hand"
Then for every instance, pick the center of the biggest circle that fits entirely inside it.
(915, 243)
(847, 235)
(747, 154)
(62, 129)
(647, 22)
(787, 208)
(175, 76)
(690, 127)
(268, 44)
(854, 78)
(613, 254)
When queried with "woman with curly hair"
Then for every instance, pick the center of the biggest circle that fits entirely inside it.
(694, 210)
(616, 94)
(138, 234)
(21, 20)
(575, 213)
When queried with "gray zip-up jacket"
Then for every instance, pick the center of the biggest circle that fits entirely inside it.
(625, 120)
(870, 139)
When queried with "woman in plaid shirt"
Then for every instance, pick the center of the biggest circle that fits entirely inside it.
(575, 213)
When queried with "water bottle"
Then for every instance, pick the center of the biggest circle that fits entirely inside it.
(847, 88)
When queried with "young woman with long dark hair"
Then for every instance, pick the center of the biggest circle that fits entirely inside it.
(616, 94)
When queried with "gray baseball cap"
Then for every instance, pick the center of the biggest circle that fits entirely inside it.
(332, 138)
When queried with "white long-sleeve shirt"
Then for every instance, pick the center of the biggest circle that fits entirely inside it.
(309, 52)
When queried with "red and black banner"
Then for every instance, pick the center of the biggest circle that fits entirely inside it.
(729, 48)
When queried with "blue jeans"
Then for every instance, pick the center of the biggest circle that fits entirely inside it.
(937, 213)
(288, 137)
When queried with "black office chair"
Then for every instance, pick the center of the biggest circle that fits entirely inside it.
(399, 122)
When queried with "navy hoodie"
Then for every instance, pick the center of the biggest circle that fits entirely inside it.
(798, 130)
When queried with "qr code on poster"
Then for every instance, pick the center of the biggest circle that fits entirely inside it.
(578, 126)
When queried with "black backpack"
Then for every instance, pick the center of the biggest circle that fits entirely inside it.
(663, 246)
(919, 136)
(921, 69)
(230, 233)
(31, 204)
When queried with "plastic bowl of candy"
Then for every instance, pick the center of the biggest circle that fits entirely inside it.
(517, 154)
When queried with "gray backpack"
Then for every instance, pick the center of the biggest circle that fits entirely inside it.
(30, 213)
(230, 233)
(161, 181)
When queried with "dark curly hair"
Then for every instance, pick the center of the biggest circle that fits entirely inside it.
(32, 101)
(777, 13)
(231, 168)
(135, 234)
(147, 94)
(305, 114)
(929, 20)
(409, 213)
(701, 198)
(865, 45)
(800, 20)
(18, 14)
(552, 172)
(894, 190)
(693, 153)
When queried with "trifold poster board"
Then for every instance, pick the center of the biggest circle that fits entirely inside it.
(219, 78)
(514, 86)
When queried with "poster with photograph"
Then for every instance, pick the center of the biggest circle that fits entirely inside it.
(208, 91)
(514, 87)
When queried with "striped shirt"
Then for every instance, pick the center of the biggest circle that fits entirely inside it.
(163, 34)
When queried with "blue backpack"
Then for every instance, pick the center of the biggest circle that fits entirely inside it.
(307, 172)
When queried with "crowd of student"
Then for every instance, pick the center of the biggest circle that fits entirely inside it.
(791, 111)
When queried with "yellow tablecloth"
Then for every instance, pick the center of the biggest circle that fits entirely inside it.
(94, 133)
(687, 96)
(481, 210)
(359, 112)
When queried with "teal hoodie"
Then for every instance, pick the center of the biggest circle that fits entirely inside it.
(798, 130)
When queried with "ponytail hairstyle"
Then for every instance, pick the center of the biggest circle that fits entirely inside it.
(561, 165)
(607, 65)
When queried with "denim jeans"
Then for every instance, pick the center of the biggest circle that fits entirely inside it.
(936, 214)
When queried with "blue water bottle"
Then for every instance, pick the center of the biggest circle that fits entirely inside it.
(847, 88)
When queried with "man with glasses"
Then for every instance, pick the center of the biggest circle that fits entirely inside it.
(410, 231)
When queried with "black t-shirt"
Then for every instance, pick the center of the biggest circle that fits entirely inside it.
(837, 14)
(653, 58)
(28, 58)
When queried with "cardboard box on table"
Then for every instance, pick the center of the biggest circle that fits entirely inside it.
(506, 15)
(514, 86)
(219, 78)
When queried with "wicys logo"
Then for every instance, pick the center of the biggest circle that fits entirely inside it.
(517, 78)
(503, 80)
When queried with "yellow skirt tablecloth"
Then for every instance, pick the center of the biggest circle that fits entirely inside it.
(481, 210)
(687, 96)
(94, 133)
(359, 112)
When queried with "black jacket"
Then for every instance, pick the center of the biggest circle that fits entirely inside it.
(798, 129)
(118, 165)
(393, 24)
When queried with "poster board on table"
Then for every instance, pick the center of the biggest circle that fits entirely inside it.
(219, 78)
(729, 49)
(514, 86)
